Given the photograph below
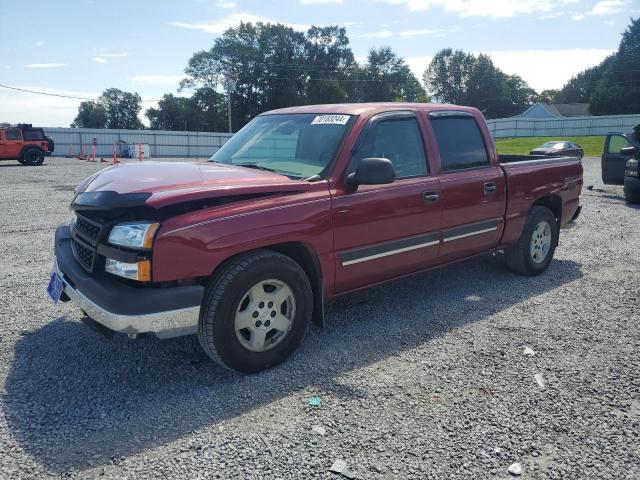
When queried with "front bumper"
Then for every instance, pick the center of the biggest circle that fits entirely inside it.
(164, 311)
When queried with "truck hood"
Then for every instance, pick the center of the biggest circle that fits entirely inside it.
(166, 183)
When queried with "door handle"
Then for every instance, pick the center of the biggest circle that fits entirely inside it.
(430, 196)
(490, 187)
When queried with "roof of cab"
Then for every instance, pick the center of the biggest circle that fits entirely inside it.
(361, 108)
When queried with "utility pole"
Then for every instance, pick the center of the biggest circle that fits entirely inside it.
(229, 86)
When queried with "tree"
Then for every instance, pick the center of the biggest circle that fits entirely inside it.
(465, 79)
(548, 96)
(113, 109)
(5, 124)
(617, 91)
(388, 78)
(580, 87)
(173, 113)
(91, 114)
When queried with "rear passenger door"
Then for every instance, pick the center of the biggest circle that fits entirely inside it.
(384, 231)
(472, 186)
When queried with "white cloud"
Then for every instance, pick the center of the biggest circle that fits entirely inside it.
(544, 69)
(308, 2)
(98, 60)
(425, 32)
(380, 34)
(226, 4)
(115, 55)
(233, 20)
(39, 44)
(45, 65)
(485, 8)
(157, 79)
(607, 7)
(541, 69)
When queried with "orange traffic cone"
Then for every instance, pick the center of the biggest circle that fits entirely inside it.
(70, 152)
(140, 152)
(115, 155)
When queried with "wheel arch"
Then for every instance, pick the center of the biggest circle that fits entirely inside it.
(29, 147)
(305, 256)
(553, 203)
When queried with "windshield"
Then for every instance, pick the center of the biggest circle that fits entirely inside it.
(299, 145)
(554, 145)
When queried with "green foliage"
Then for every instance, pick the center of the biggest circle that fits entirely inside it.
(613, 86)
(592, 145)
(204, 111)
(465, 79)
(4, 124)
(274, 66)
(114, 109)
(91, 115)
(549, 96)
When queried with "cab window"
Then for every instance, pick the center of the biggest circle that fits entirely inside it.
(398, 140)
(13, 134)
(617, 143)
(460, 143)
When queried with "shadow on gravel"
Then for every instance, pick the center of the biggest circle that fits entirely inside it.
(74, 399)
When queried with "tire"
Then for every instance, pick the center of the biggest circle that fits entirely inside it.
(534, 250)
(240, 294)
(21, 161)
(33, 157)
(631, 196)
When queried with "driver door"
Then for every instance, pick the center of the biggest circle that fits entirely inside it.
(385, 231)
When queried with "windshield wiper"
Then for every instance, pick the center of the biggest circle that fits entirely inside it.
(257, 167)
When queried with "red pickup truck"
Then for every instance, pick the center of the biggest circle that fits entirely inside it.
(302, 205)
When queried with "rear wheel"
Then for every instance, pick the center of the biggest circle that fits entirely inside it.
(256, 311)
(534, 250)
(33, 157)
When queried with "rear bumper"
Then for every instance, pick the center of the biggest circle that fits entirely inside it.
(164, 311)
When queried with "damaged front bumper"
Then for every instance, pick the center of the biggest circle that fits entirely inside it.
(164, 311)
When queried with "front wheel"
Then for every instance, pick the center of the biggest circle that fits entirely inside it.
(256, 310)
(534, 250)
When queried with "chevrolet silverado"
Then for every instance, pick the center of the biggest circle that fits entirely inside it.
(300, 206)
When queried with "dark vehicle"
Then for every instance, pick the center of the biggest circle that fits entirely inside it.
(632, 175)
(559, 148)
(302, 205)
(24, 143)
(614, 159)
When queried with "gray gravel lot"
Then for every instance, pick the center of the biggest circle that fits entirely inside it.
(421, 378)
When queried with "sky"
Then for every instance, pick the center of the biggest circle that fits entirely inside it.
(81, 47)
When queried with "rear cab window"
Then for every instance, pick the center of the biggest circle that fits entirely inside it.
(32, 134)
(460, 141)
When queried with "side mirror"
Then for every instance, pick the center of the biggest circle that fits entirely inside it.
(630, 151)
(372, 171)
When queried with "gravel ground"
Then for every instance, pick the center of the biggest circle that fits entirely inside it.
(421, 378)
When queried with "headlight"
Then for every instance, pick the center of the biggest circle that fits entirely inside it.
(133, 235)
(135, 271)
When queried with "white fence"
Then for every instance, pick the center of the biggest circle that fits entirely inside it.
(562, 127)
(162, 143)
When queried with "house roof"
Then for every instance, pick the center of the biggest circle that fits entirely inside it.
(561, 109)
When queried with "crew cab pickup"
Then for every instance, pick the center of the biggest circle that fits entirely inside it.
(300, 206)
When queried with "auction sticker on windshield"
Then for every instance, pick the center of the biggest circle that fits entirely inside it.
(330, 120)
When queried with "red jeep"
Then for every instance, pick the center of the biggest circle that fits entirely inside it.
(25, 143)
(300, 206)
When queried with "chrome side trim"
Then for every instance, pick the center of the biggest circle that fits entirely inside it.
(469, 234)
(390, 252)
(168, 324)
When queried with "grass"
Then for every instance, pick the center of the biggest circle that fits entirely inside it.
(592, 145)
